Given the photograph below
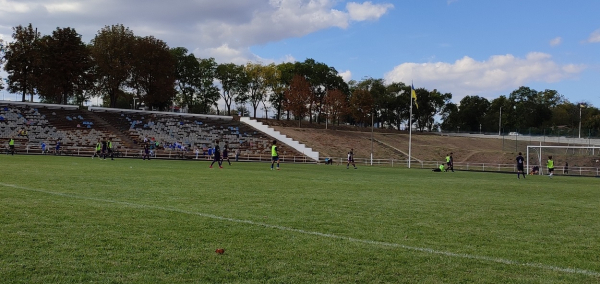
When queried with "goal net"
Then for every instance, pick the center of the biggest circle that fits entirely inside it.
(567, 159)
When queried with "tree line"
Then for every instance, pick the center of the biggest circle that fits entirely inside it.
(127, 71)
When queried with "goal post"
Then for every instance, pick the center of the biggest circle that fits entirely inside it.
(562, 153)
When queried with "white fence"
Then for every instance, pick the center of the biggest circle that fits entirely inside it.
(482, 167)
(174, 154)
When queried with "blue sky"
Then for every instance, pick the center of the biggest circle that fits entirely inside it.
(464, 47)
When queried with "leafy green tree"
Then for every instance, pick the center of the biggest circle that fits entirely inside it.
(153, 72)
(65, 67)
(450, 117)
(22, 61)
(187, 73)
(396, 108)
(112, 50)
(492, 118)
(321, 78)
(471, 112)
(430, 104)
(527, 111)
(257, 84)
(565, 114)
(279, 83)
(208, 93)
(273, 85)
(233, 83)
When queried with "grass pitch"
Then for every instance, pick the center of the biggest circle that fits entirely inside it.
(73, 220)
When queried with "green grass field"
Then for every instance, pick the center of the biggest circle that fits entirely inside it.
(75, 220)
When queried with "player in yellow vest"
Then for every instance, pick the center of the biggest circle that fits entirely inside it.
(98, 150)
(274, 155)
(11, 145)
(550, 165)
(110, 149)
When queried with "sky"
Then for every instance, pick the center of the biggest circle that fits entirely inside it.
(463, 47)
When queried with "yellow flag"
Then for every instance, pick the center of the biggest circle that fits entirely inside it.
(413, 95)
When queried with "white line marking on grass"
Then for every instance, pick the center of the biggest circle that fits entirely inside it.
(331, 236)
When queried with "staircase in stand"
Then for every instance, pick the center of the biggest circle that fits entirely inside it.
(126, 141)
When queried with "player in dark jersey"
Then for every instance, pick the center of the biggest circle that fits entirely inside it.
(146, 152)
(351, 159)
(104, 149)
(226, 155)
(520, 162)
(217, 156)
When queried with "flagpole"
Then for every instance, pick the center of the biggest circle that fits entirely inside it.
(410, 128)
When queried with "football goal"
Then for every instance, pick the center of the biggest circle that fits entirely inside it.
(565, 157)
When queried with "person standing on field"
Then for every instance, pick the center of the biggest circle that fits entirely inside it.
(274, 155)
(550, 165)
(351, 159)
(225, 155)
(217, 156)
(448, 163)
(98, 150)
(11, 145)
(110, 149)
(520, 162)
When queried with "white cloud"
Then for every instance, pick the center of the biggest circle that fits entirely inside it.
(451, 1)
(467, 76)
(346, 75)
(556, 41)
(595, 36)
(367, 10)
(63, 7)
(224, 29)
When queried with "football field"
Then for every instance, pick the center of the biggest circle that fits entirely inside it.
(75, 220)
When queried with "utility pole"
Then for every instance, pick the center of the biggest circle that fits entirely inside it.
(500, 123)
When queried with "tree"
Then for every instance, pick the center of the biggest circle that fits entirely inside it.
(112, 53)
(279, 83)
(187, 73)
(65, 67)
(471, 112)
(397, 104)
(297, 97)
(208, 93)
(336, 105)
(430, 104)
(273, 85)
(153, 72)
(232, 79)
(257, 85)
(492, 118)
(22, 61)
(450, 117)
(321, 79)
(361, 106)
(379, 94)
(2, 59)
